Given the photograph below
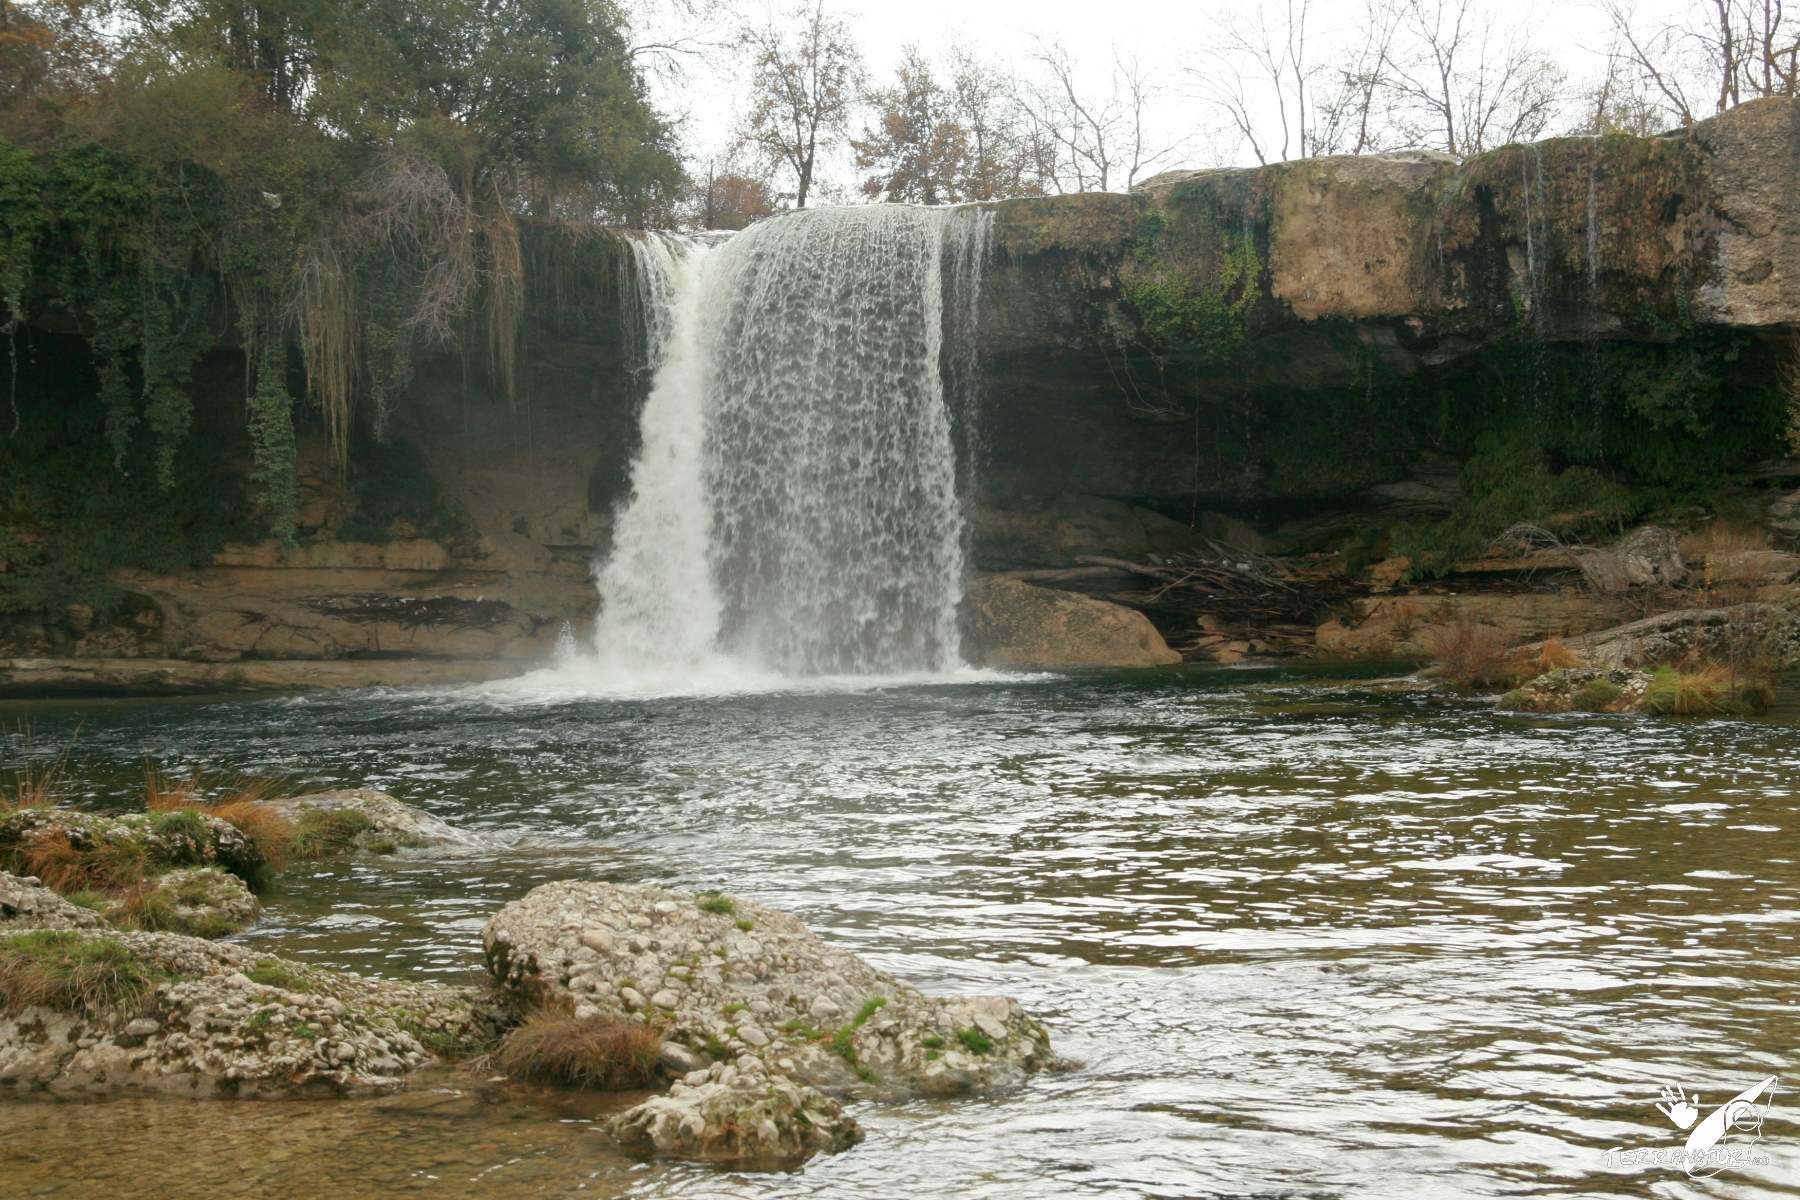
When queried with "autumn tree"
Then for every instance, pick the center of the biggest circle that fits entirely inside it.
(732, 201)
(805, 74)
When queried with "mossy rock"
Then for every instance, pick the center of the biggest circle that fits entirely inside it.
(202, 902)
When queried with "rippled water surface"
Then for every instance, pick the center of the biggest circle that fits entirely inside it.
(1305, 939)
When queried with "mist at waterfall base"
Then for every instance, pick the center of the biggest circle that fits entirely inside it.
(794, 517)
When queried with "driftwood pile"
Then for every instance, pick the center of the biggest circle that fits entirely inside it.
(1217, 597)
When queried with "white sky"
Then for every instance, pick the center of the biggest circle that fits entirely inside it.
(1168, 39)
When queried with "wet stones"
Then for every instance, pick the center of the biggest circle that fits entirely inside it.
(738, 1112)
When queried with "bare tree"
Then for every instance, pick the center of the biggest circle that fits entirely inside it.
(1257, 60)
(1717, 54)
(1349, 114)
(805, 75)
(1289, 89)
(1466, 84)
(1094, 141)
(670, 38)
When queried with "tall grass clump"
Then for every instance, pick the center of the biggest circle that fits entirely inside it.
(34, 783)
(244, 807)
(1474, 655)
(1707, 691)
(555, 1046)
(71, 972)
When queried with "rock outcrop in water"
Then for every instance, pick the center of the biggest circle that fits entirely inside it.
(370, 820)
(1015, 625)
(84, 1011)
(765, 1014)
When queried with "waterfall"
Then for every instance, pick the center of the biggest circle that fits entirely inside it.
(795, 507)
(658, 608)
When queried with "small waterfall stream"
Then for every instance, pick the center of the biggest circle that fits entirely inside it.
(795, 507)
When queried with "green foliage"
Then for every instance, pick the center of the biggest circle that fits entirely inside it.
(272, 972)
(1198, 315)
(974, 1041)
(322, 832)
(1585, 439)
(68, 518)
(713, 902)
(1596, 695)
(176, 193)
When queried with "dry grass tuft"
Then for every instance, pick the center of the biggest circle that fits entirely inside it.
(243, 807)
(106, 866)
(34, 784)
(558, 1047)
(1729, 552)
(1553, 655)
(1474, 655)
(1707, 691)
(70, 972)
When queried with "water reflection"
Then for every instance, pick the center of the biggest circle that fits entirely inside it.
(1305, 942)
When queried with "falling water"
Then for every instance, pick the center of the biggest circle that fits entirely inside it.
(795, 507)
(658, 609)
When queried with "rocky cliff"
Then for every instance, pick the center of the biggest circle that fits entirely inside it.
(1360, 357)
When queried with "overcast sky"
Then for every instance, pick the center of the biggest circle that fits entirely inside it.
(1170, 40)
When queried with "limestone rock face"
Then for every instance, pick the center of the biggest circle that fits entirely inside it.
(738, 1112)
(1645, 557)
(1015, 625)
(27, 904)
(390, 820)
(735, 981)
(1760, 633)
(206, 1028)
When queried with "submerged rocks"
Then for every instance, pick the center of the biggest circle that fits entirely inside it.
(738, 1112)
(1017, 625)
(365, 819)
(186, 1017)
(730, 981)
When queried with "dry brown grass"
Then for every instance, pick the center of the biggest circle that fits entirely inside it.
(70, 972)
(35, 784)
(64, 867)
(1729, 552)
(1474, 655)
(1553, 655)
(242, 806)
(554, 1046)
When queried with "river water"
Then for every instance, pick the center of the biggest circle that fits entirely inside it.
(1306, 937)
